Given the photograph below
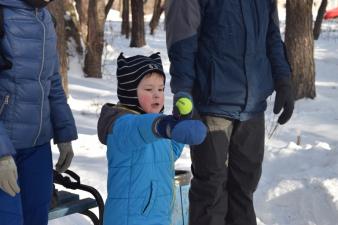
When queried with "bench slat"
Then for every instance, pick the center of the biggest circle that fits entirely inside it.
(68, 208)
(65, 196)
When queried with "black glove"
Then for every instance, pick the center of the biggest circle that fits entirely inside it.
(183, 105)
(284, 99)
(185, 131)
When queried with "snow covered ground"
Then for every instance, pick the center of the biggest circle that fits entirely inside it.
(299, 185)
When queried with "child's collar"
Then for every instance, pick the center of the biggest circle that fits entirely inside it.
(124, 107)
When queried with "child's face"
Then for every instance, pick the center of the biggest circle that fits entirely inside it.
(150, 93)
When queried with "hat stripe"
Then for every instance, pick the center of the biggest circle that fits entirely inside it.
(132, 97)
(147, 61)
(133, 89)
(140, 58)
(133, 72)
(141, 75)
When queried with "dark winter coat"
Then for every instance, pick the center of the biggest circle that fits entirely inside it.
(140, 168)
(227, 53)
(33, 104)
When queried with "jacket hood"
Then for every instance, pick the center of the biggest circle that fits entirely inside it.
(109, 113)
(15, 4)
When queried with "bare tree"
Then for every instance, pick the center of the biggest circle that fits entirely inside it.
(82, 10)
(319, 19)
(125, 28)
(300, 47)
(108, 7)
(137, 30)
(158, 9)
(58, 11)
(97, 10)
(72, 26)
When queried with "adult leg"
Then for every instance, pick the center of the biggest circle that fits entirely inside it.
(35, 172)
(10, 209)
(207, 195)
(246, 153)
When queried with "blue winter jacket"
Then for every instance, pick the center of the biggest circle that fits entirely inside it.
(140, 170)
(33, 106)
(227, 53)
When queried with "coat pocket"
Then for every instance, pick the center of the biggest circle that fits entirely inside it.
(150, 199)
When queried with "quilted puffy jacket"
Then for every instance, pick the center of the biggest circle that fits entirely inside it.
(33, 105)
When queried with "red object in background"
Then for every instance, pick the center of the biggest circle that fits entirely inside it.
(331, 14)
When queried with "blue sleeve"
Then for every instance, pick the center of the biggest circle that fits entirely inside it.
(61, 115)
(6, 146)
(182, 24)
(133, 130)
(177, 148)
(275, 46)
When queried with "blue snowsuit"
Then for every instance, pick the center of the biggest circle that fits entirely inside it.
(140, 169)
(33, 109)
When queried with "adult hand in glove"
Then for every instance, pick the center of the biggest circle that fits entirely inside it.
(284, 100)
(186, 131)
(183, 105)
(8, 175)
(65, 158)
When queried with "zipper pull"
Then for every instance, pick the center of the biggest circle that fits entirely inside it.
(6, 99)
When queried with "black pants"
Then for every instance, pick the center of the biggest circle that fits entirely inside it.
(226, 169)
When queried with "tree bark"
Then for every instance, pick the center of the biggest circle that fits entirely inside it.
(125, 28)
(82, 10)
(108, 7)
(319, 19)
(137, 30)
(96, 20)
(57, 10)
(158, 9)
(300, 47)
(72, 26)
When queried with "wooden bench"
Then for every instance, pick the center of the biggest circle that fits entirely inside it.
(69, 203)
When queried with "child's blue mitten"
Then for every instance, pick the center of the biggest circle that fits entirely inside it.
(191, 132)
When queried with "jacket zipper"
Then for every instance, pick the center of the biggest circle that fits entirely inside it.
(42, 63)
(173, 180)
(6, 101)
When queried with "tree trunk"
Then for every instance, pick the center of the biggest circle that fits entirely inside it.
(82, 10)
(96, 20)
(319, 19)
(300, 47)
(72, 26)
(158, 9)
(58, 11)
(108, 7)
(125, 28)
(137, 30)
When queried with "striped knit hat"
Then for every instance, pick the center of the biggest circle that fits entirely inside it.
(130, 72)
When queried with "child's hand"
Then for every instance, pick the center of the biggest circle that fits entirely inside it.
(183, 105)
(186, 131)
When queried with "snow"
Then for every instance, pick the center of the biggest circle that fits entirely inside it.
(299, 184)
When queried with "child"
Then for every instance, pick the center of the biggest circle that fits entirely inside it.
(142, 145)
